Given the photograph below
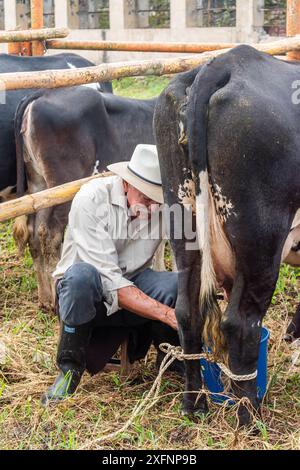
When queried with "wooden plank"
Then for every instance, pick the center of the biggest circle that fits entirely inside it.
(106, 72)
(125, 364)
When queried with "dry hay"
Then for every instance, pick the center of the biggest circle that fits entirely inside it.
(103, 403)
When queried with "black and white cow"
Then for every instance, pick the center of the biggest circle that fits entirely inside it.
(64, 135)
(10, 100)
(228, 137)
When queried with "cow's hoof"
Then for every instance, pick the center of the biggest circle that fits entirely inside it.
(247, 415)
(292, 333)
(47, 307)
(289, 338)
(197, 410)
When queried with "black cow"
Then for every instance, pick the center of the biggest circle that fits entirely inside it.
(64, 135)
(10, 100)
(228, 137)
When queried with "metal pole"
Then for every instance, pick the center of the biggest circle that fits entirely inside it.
(293, 24)
(37, 22)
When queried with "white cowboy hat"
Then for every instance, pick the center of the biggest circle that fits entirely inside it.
(142, 172)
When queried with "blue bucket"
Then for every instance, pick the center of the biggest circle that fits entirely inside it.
(211, 373)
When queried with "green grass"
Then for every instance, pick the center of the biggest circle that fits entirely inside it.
(141, 88)
(288, 283)
(105, 402)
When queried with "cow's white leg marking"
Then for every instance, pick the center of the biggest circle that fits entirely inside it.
(289, 253)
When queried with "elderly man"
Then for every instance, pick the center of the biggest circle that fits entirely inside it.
(104, 275)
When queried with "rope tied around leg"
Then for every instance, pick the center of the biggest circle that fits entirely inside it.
(177, 353)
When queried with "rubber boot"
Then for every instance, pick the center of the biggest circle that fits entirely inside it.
(71, 360)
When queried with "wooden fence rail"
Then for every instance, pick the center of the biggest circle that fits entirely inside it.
(33, 34)
(106, 72)
(138, 46)
(50, 197)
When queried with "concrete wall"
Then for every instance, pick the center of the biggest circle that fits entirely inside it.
(249, 28)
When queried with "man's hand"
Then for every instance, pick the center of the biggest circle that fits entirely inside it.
(135, 301)
(171, 319)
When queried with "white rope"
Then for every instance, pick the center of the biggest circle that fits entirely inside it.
(178, 353)
(171, 353)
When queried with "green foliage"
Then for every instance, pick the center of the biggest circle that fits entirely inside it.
(141, 87)
(287, 282)
(159, 15)
(218, 13)
(263, 430)
(275, 16)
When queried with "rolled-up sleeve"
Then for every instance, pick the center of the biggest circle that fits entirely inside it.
(88, 224)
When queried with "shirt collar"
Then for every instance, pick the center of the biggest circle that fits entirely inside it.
(117, 193)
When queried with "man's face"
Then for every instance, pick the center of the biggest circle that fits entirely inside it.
(139, 204)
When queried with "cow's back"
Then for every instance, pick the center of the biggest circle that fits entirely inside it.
(256, 124)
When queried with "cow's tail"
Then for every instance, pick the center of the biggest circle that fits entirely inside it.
(209, 80)
(20, 227)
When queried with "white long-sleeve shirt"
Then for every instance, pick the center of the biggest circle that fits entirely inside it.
(100, 232)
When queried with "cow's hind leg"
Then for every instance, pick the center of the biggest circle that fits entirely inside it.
(293, 331)
(251, 296)
(190, 326)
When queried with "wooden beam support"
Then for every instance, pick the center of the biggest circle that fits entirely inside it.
(37, 22)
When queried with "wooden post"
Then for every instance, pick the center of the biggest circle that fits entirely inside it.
(293, 24)
(20, 21)
(37, 22)
(14, 48)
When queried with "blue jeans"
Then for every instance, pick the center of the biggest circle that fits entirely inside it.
(80, 296)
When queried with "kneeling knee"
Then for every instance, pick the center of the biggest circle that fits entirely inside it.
(170, 291)
(81, 279)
